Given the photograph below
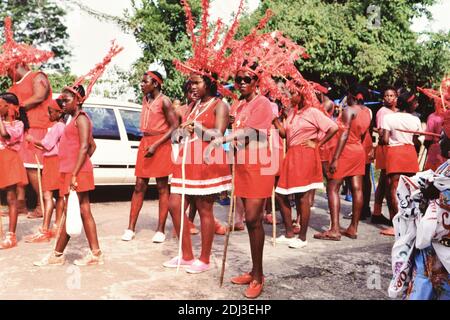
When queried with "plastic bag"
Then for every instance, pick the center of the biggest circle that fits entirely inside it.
(73, 221)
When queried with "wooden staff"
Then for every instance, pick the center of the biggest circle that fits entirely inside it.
(231, 212)
(183, 178)
(41, 194)
(420, 133)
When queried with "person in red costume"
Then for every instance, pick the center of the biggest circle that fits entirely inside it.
(348, 160)
(35, 93)
(158, 121)
(76, 148)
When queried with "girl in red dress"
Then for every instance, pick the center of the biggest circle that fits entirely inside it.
(254, 177)
(306, 129)
(348, 160)
(50, 173)
(11, 165)
(76, 173)
(158, 121)
(203, 181)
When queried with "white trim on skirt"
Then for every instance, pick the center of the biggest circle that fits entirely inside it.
(315, 185)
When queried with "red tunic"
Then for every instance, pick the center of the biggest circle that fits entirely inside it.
(352, 160)
(306, 124)
(37, 117)
(154, 125)
(201, 178)
(12, 171)
(255, 174)
(69, 147)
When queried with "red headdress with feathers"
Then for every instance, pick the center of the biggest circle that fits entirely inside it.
(441, 98)
(208, 58)
(270, 56)
(14, 53)
(93, 75)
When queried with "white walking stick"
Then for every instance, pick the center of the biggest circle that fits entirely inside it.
(183, 178)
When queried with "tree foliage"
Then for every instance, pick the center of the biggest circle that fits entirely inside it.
(159, 28)
(345, 45)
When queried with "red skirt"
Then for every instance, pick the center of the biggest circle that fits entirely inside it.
(352, 162)
(50, 174)
(380, 157)
(12, 171)
(295, 180)
(254, 178)
(29, 151)
(158, 165)
(401, 159)
(85, 182)
(201, 178)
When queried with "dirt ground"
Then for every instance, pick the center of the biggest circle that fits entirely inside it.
(348, 269)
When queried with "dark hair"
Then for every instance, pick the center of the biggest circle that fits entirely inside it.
(390, 88)
(402, 100)
(187, 86)
(357, 89)
(211, 84)
(80, 90)
(11, 98)
(159, 76)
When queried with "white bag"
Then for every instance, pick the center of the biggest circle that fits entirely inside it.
(73, 220)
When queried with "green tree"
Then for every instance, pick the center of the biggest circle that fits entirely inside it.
(159, 28)
(347, 42)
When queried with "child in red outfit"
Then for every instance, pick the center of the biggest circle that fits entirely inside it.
(50, 173)
(11, 165)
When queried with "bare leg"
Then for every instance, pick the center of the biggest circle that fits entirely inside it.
(175, 212)
(205, 211)
(59, 209)
(303, 202)
(380, 193)
(162, 184)
(33, 180)
(286, 214)
(367, 191)
(88, 221)
(137, 200)
(64, 238)
(253, 218)
(334, 203)
(356, 184)
(49, 206)
(12, 199)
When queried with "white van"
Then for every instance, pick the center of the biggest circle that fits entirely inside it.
(116, 130)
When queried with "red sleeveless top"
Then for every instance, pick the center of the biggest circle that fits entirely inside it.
(360, 125)
(69, 147)
(38, 116)
(153, 120)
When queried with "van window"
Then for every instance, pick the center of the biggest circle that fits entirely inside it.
(105, 123)
(131, 120)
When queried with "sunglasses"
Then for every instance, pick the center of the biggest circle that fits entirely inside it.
(245, 79)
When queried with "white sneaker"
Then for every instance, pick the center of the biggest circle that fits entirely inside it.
(159, 237)
(297, 243)
(283, 240)
(128, 235)
(50, 260)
